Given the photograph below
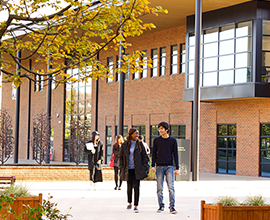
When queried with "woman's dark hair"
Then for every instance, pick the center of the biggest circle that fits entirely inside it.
(165, 125)
(130, 132)
(117, 139)
(94, 134)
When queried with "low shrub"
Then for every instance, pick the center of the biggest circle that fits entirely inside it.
(17, 191)
(257, 200)
(226, 201)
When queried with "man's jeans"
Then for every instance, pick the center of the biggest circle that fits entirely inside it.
(166, 171)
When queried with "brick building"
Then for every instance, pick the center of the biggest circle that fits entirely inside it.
(235, 89)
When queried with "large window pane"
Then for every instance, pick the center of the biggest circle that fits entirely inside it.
(266, 129)
(226, 62)
(266, 27)
(242, 75)
(190, 81)
(211, 50)
(210, 79)
(265, 143)
(243, 29)
(265, 170)
(266, 43)
(225, 77)
(191, 39)
(222, 130)
(231, 130)
(211, 35)
(191, 54)
(266, 58)
(222, 142)
(243, 44)
(242, 60)
(210, 64)
(226, 47)
(221, 167)
(226, 32)
(231, 142)
(231, 168)
(232, 155)
(222, 155)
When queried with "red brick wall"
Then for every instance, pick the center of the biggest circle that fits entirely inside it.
(38, 104)
(44, 173)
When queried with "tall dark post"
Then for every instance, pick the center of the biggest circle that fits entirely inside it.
(196, 103)
(29, 114)
(17, 113)
(96, 98)
(121, 92)
(49, 104)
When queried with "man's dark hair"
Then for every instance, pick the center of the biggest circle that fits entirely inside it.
(165, 125)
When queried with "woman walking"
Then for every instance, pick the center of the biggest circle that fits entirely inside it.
(95, 158)
(133, 165)
(116, 153)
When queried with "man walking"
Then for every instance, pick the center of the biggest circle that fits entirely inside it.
(165, 152)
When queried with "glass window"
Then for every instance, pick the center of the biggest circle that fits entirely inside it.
(178, 131)
(125, 131)
(162, 68)
(210, 50)
(266, 27)
(174, 58)
(225, 77)
(182, 59)
(110, 67)
(243, 29)
(210, 35)
(210, 64)
(144, 58)
(265, 150)
(242, 75)
(226, 148)
(226, 47)
(210, 79)
(108, 143)
(153, 134)
(141, 129)
(226, 53)
(226, 32)
(77, 102)
(154, 62)
(136, 75)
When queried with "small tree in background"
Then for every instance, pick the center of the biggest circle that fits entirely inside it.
(41, 137)
(6, 137)
(77, 139)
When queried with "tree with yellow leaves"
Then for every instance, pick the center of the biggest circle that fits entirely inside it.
(70, 36)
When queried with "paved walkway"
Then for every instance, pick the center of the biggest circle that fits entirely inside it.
(105, 203)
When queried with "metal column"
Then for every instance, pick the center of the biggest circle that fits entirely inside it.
(121, 93)
(96, 106)
(49, 108)
(29, 113)
(196, 95)
(17, 113)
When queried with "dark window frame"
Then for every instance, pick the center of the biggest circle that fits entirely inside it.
(160, 61)
(107, 156)
(178, 136)
(154, 67)
(227, 149)
(262, 150)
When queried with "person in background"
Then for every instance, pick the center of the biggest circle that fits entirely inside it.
(147, 149)
(165, 152)
(95, 158)
(116, 153)
(133, 165)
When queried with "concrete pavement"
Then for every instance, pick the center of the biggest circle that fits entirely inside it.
(105, 203)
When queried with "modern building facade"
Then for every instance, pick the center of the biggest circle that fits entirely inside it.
(235, 89)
